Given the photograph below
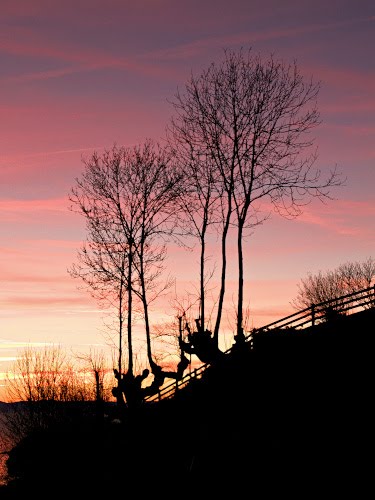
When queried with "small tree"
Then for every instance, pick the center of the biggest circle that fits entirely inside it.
(332, 285)
(96, 366)
(41, 379)
(128, 199)
(42, 375)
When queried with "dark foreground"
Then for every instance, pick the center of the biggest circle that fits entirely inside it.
(293, 417)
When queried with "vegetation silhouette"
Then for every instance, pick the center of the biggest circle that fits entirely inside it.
(201, 343)
(238, 146)
(347, 278)
(290, 413)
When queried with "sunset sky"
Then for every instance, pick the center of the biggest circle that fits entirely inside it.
(81, 75)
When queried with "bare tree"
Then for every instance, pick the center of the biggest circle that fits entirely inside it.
(96, 365)
(43, 375)
(331, 285)
(200, 203)
(42, 379)
(127, 197)
(357, 275)
(252, 118)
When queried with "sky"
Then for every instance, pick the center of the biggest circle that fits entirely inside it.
(80, 76)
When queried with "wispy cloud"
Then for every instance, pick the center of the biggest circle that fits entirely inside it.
(47, 300)
(341, 217)
(12, 344)
(40, 205)
(35, 211)
(361, 81)
(191, 49)
(17, 277)
(32, 45)
(80, 59)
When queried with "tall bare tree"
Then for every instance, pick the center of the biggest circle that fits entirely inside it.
(200, 203)
(127, 198)
(251, 118)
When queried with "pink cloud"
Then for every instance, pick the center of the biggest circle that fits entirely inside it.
(336, 130)
(354, 105)
(73, 125)
(32, 44)
(27, 301)
(55, 205)
(35, 212)
(353, 152)
(17, 277)
(344, 78)
(342, 217)
(46, 75)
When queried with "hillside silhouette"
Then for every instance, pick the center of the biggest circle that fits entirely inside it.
(288, 414)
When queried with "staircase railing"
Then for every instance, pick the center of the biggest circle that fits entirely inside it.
(311, 316)
(316, 313)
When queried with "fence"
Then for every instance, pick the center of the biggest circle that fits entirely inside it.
(311, 316)
(316, 313)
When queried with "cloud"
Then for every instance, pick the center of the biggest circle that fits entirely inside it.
(47, 300)
(26, 43)
(358, 104)
(12, 344)
(191, 49)
(343, 217)
(358, 80)
(16, 277)
(32, 44)
(38, 205)
(59, 152)
(41, 212)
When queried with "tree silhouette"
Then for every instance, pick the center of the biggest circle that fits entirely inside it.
(251, 119)
(200, 203)
(332, 285)
(239, 140)
(127, 198)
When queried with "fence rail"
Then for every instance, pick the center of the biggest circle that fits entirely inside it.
(316, 313)
(311, 316)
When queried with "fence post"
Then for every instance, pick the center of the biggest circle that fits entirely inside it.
(313, 314)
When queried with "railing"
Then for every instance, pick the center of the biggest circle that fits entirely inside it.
(311, 316)
(169, 390)
(317, 313)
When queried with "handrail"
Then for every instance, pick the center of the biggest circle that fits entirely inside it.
(169, 390)
(310, 316)
(318, 312)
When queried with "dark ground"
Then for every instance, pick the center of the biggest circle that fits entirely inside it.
(293, 417)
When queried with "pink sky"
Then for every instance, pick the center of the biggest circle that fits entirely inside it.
(79, 76)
